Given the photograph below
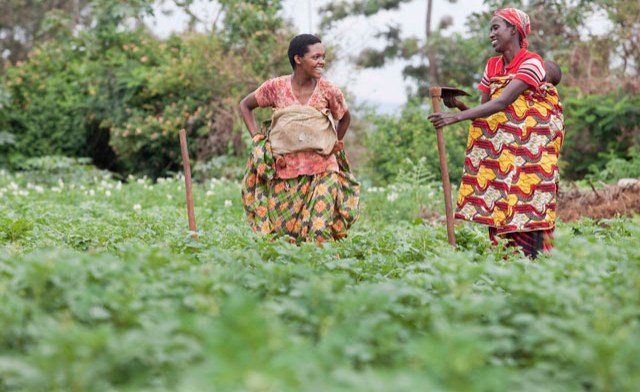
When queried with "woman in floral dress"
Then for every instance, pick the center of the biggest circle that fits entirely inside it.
(307, 195)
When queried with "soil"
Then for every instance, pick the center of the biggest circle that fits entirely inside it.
(610, 201)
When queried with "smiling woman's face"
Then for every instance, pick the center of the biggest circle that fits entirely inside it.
(501, 34)
(312, 62)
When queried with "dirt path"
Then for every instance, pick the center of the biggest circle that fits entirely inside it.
(608, 202)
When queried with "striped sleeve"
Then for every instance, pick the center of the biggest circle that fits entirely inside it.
(531, 71)
(484, 83)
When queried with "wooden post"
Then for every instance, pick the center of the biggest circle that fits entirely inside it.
(436, 93)
(187, 183)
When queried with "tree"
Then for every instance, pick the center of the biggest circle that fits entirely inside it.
(424, 48)
(24, 23)
(594, 60)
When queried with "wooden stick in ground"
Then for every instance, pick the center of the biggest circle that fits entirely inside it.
(187, 183)
(436, 93)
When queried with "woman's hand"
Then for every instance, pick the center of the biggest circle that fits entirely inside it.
(440, 120)
(257, 137)
(339, 146)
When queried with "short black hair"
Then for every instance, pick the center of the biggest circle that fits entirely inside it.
(553, 72)
(299, 45)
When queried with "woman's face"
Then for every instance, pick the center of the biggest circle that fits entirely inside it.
(500, 34)
(312, 63)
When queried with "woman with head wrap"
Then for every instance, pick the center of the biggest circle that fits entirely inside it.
(297, 182)
(510, 176)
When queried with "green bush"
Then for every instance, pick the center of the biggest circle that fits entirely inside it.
(599, 129)
(395, 144)
(617, 167)
(120, 95)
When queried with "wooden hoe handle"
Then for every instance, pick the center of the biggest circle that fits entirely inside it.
(187, 183)
(436, 93)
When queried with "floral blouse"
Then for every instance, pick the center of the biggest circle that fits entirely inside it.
(278, 93)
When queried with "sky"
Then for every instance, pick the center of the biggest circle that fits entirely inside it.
(382, 88)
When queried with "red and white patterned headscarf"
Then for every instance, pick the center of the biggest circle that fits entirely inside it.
(517, 18)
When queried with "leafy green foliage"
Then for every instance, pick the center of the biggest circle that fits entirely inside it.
(104, 289)
(395, 144)
(617, 167)
(599, 128)
(116, 94)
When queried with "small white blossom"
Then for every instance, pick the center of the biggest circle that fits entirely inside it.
(38, 189)
(92, 192)
(60, 183)
(107, 193)
(137, 207)
(210, 193)
(13, 186)
(392, 196)
(169, 197)
(228, 203)
(55, 189)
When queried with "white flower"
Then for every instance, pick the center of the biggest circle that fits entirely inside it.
(60, 183)
(55, 189)
(228, 203)
(13, 186)
(91, 192)
(137, 207)
(169, 197)
(38, 189)
(210, 193)
(107, 193)
(392, 196)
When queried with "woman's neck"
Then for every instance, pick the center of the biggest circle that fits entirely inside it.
(511, 53)
(302, 80)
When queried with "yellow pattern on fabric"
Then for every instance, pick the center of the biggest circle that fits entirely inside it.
(511, 163)
(506, 160)
(526, 181)
(496, 120)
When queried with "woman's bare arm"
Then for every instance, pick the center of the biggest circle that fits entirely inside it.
(343, 125)
(247, 105)
(508, 96)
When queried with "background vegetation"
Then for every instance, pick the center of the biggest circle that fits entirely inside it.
(88, 79)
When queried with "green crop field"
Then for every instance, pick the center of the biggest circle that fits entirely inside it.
(103, 289)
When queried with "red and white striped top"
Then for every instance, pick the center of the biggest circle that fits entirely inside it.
(526, 66)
